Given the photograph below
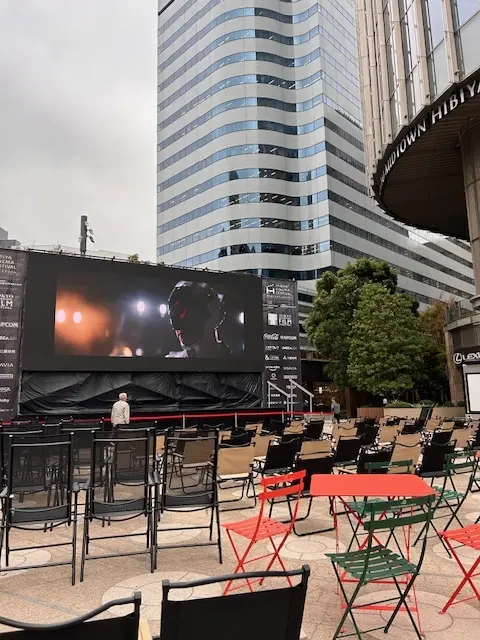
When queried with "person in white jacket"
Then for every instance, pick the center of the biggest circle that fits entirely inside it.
(120, 411)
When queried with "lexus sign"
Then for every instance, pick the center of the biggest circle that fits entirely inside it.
(471, 357)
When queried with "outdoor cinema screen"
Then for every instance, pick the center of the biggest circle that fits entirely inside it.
(92, 315)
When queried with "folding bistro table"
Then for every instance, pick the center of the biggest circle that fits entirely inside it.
(344, 487)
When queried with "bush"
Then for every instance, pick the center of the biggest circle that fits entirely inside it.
(426, 403)
(399, 404)
(461, 403)
(448, 404)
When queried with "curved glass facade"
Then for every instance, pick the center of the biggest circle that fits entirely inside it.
(237, 86)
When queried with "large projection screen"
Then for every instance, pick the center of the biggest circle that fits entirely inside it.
(92, 315)
(472, 390)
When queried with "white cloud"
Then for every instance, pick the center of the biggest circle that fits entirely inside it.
(78, 121)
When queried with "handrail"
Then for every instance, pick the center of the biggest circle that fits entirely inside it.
(272, 385)
(293, 383)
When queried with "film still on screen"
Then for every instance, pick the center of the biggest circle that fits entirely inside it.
(122, 319)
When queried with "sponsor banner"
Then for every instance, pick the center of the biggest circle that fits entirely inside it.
(281, 341)
(466, 356)
(12, 286)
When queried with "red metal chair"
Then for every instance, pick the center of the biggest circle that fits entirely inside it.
(467, 537)
(259, 528)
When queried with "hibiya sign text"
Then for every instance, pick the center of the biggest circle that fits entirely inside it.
(281, 342)
(12, 286)
(434, 116)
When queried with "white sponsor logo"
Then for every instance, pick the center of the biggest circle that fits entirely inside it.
(460, 358)
(11, 351)
(5, 389)
(290, 368)
(6, 365)
(8, 325)
(289, 358)
(6, 376)
(274, 367)
(6, 338)
(288, 337)
(271, 347)
(270, 336)
(4, 400)
(275, 358)
(288, 347)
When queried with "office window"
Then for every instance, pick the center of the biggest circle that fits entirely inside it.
(464, 10)
(435, 30)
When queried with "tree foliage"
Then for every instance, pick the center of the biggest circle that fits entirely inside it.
(387, 343)
(133, 258)
(329, 325)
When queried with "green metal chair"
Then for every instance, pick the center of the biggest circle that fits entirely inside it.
(456, 465)
(376, 562)
(357, 509)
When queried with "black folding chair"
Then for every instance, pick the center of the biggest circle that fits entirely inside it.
(367, 456)
(280, 457)
(83, 627)
(6, 433)
(119, 462)
(43, 468)
(368, 432)
(273, 426)
(347, 451)
(313, 465)
(314, 429)
(200, 496)
(433, 459)
(440, 436)
(274, 614)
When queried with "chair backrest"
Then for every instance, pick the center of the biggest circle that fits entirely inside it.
(290, 486)
(408, 439)
(316, 447)
(273, 425)
(433, 460)
(442, 437)
(347, 449)
(464, 436)
(281, 456)
(343, 431)
(410, 427)
(274, 614)
(82, 438)
(387, 433)
(388, 515)
(124, 455)
(457, 464)
(238, 439)
(313, 464)
(262, 443)
(203, 494)
(314, 429)
(406, 454)
(368, 456)
(368, 432)
(38, 465)
(83, 627)
(399, 466)
(256, 426)
(235, 460)
(432, 424)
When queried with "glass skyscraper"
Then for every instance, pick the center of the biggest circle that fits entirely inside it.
(260, 149)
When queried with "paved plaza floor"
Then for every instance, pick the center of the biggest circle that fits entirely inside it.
(46, 595)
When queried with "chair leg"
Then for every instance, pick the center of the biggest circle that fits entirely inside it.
(348, 606)
(467, 578)
(240, 562)
(219, 533)
(84, 545)
(403, 602)
(74, 539)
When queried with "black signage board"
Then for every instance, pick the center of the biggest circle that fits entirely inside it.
(281, 342)
(13, 269)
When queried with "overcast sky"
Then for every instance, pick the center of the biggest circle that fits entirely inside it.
(78, 121)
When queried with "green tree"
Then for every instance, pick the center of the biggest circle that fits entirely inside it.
(329, 324)
(387, 343)
(134, 258)
(432, 381)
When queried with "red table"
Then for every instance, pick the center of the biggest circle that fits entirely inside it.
(370, 485)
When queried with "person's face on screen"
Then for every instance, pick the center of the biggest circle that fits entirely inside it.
(195, 312)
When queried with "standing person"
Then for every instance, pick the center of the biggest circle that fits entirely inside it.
(120, 411)
(335, 408)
